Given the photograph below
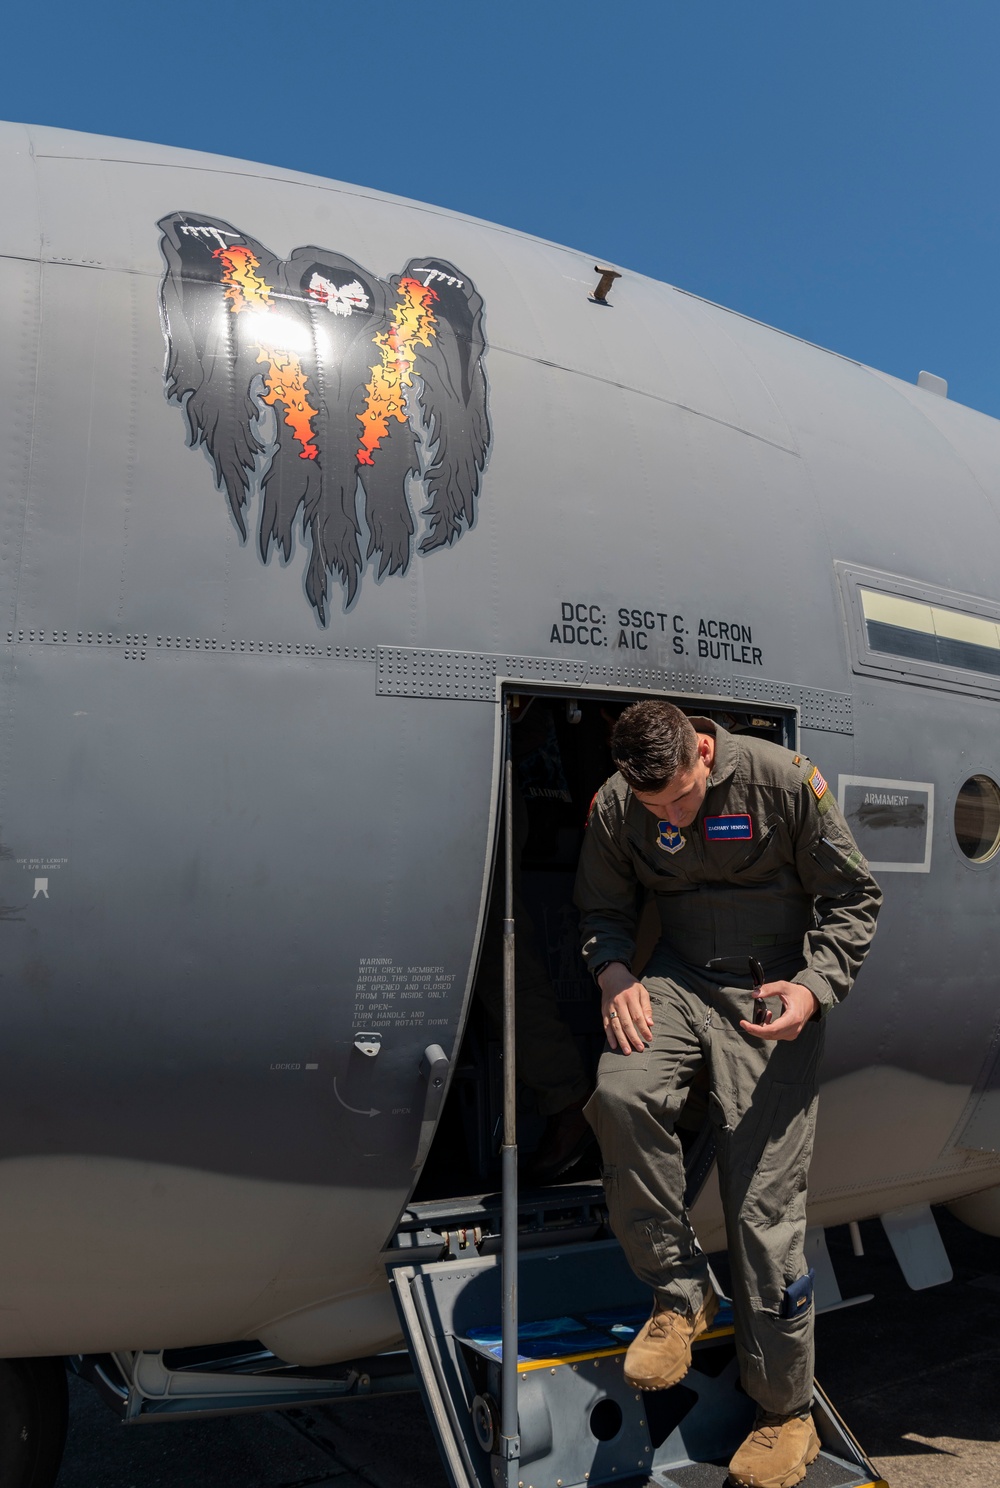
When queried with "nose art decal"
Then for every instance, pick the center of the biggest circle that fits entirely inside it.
(330, 393)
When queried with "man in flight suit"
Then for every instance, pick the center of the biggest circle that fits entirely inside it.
(746, 854)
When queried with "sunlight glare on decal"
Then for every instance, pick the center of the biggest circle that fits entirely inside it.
(277, 328)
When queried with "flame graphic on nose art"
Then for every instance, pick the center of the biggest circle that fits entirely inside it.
(413, 325)
(242, 285)
(284, 380)
(287, 384)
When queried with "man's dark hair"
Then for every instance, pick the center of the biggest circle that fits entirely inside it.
(651, 741)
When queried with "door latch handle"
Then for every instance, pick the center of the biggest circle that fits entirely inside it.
(434, 1067)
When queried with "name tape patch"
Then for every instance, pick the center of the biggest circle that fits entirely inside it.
(728, 829)
(670, 838)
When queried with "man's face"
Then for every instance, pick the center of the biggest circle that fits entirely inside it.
(681, 798)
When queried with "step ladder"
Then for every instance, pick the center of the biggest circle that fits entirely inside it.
(579, 1423)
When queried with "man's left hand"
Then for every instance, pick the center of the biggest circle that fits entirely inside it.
(799, 1006)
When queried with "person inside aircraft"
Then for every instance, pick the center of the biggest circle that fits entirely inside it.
(549, 1062)
(748, 858)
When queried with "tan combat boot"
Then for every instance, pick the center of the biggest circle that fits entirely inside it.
(776, 1453)
(660, 1353)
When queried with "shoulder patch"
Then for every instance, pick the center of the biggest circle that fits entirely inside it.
(817, 784)
(821, 791)
(797, 760)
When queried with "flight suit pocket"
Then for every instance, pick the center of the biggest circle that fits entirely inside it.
(775, 1162)
(661, 873)
(757, 849)
(844, 863)
(661, 1239)
(613, 1062)
(760, 1120)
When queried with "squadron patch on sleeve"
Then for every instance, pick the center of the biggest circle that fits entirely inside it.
(671, 838)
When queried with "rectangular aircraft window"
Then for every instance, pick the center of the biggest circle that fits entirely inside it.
(906, 629)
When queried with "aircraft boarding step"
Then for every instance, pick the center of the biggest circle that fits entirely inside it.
(580, 1424)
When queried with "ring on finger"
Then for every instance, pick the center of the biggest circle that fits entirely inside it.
(612, 1015)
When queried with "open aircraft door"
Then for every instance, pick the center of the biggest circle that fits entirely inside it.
(518, 1311)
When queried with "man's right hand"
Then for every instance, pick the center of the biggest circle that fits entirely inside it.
(625, 1008)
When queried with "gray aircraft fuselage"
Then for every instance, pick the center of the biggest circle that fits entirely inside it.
(251, 730)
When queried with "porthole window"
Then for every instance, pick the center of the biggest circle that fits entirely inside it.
(977, 818)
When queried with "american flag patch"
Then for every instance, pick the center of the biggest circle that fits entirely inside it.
(818, 784)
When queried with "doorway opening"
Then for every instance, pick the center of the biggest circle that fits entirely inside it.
(560, 743)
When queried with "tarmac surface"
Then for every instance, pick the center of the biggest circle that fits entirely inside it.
(916, 1376)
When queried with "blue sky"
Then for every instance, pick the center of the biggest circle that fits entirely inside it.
(830, 169)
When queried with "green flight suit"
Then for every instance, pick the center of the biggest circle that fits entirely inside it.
(768, 868)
